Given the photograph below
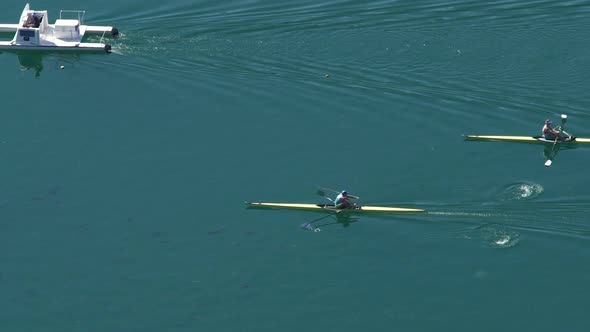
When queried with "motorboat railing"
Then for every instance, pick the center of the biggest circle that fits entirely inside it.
(80, 14)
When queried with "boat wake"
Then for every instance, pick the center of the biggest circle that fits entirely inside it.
(466, 214)
(490, 228)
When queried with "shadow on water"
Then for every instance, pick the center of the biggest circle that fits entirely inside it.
(38, 61)
(31, 61)
(339, 219)
(550, 150)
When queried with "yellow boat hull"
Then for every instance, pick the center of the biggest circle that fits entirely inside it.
(331, 208)
(529, 139)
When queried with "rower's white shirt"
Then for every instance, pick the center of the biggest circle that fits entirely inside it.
(340, 198)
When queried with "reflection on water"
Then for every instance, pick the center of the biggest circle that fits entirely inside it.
(37, 61)
(338, 219)
(31, 61)
(550, 150)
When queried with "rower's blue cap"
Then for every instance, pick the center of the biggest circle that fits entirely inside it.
(547, 121)
(344, 192)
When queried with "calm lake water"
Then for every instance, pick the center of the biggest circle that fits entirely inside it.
(124, 175)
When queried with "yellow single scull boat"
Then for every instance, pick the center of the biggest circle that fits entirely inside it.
(534, 139)
(526, 139)
(332, 208)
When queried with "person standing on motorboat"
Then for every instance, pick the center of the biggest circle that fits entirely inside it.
(342, 201)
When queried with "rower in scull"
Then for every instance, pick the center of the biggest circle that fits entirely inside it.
(552, 134)
(343, 200)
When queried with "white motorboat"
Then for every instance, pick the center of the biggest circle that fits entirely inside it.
(33, 32)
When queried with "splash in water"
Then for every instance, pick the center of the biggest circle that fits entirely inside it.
(521, 191)
(496, 237)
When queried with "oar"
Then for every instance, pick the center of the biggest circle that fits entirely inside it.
(323, 194)
(563, 119)
(328, 189)
(308, 225)
(344, 220)
(331, 200)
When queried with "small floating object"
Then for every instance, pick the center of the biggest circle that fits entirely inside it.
(33, 32)
(61, 67)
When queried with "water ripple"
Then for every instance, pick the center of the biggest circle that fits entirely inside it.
(401, 49)
(521, 191)
(496, 236)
